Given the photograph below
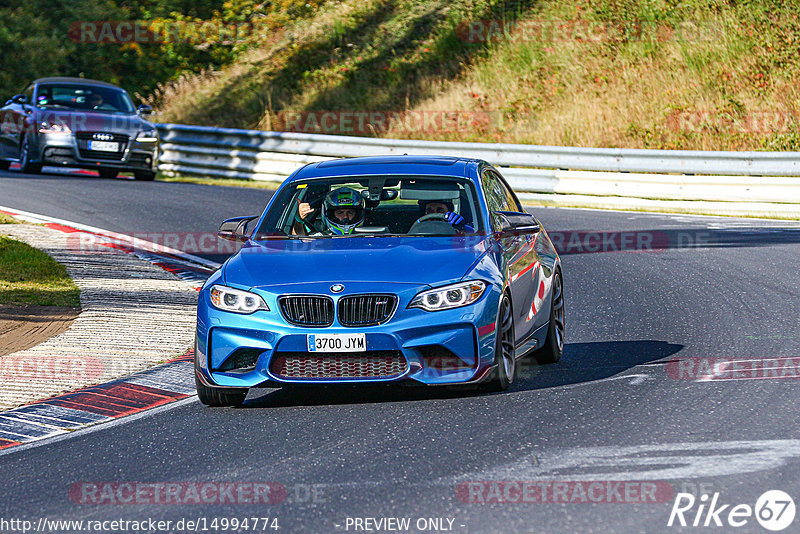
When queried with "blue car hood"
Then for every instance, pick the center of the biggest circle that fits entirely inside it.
(410, 260)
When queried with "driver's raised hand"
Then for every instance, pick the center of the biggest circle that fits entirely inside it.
(304, 209)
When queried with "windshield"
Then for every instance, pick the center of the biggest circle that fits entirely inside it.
(84, 98)
(373, 206)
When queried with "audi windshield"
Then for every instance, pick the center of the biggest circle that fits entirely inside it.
(92, 98)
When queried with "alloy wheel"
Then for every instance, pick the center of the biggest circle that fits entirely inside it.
(506, 333)
(558, 311)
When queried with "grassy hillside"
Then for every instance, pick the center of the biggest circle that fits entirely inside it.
(696, 74)
(96, 39)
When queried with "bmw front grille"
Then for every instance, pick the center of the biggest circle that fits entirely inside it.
(307, 310)
(366, 310)
(353, 310)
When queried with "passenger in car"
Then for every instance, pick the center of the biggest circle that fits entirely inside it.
(95, 101)
(446, 208)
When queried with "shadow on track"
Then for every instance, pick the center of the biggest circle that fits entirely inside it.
(587, 362)
(65, 173)
(582, 362)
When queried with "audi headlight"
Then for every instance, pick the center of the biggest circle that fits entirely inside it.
(236, 300)
(448, 297)
(147, 136)
(47, 127)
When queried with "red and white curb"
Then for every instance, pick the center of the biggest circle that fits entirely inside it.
(190, 268)
(139, 392)
(136, 393)
(59, 170)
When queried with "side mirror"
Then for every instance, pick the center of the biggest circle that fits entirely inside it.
(19, 99)
(513, 223)
(144, 110)
(235, 229)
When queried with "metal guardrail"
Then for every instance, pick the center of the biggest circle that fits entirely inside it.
(701, 175)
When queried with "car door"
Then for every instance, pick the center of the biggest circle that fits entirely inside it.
(6, 126)
(12, 124)
(8, 129)
(519, 255)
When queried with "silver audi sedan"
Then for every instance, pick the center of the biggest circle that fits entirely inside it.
(76, 122)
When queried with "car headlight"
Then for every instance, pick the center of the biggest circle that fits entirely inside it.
(236, 300)
(448, 297)
(47, 127)
(147, 136)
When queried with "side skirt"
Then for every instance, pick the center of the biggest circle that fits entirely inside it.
(532, 342)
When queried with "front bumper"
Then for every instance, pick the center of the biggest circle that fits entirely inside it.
(438, 348)
(64, 150)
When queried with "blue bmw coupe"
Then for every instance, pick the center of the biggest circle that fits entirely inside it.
(378, 270)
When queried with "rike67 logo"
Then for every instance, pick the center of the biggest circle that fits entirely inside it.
(774, 510)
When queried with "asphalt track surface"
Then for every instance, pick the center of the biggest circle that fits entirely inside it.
(611, 410)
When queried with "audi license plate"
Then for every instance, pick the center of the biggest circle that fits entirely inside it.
(337, 342)
(104, 146)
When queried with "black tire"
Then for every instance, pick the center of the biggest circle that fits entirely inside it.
(108, 173)
(219, 396)
(25, 159)
(144, 176)
(553, 347)
(4, 165)
(504, 357)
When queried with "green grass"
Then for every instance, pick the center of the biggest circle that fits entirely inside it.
(30, 277)
(6, 219)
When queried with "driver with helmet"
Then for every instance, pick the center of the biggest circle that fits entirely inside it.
(342, 213)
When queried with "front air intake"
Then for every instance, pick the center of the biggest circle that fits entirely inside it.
(375, 364)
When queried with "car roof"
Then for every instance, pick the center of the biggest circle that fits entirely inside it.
(82, 81)
(377, 165)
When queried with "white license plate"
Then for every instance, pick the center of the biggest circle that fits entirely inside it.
(337, 342)
(105, 146)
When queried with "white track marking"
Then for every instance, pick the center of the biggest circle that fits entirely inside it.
(123, 238)
(102, 425)
(646, 462)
